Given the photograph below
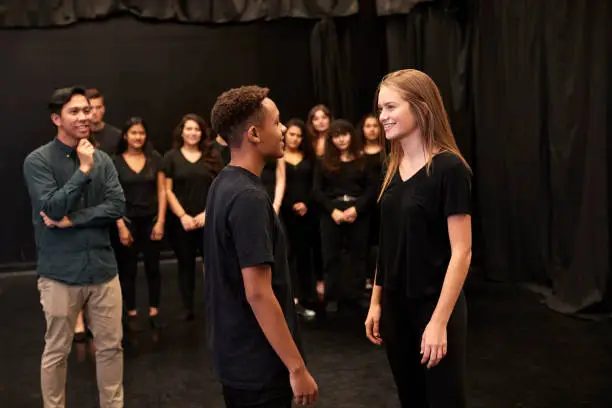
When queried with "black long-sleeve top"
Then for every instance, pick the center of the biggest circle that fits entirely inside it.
(352, 179)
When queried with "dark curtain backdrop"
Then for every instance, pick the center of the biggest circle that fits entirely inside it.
(527, 88)
(157, 71)
(22, 13)
(161, 70)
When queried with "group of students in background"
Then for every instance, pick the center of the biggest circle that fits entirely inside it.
(324, 189)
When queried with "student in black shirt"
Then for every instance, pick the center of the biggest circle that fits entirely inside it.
(107, 137)
(249, 300)
(425, 246)
(274, 181)
(189, 169)
(370, 132)
(317, 124)
(297, 215)
(221, 146)
(345, 189)
(142, 227)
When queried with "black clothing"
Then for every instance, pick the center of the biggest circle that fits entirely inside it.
(82, 254)
(127, 260)
(107, 139)
(190, 181)
(224, 151)
(190, 185)
(300, 231)
(352, 179)
(414, 244)
(140, 188)
(186, 245)
(274, 398)
(268, 177)
(352, 185)
(242, 230)
(403, 322)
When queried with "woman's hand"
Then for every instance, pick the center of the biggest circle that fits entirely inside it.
(158, 231)
(300, 209)
(200, 220)
(337, 216)
(433, 344)
(372, 325)
(125, 236)
(188, 222)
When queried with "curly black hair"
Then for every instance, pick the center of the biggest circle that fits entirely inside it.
(235, 110)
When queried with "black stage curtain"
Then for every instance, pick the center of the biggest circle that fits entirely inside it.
(157, 71)
(528, 91)
(21, 13)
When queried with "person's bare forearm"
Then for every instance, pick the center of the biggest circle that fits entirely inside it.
(453, 283)
(270, 317)
(376, 297)
(175, 206)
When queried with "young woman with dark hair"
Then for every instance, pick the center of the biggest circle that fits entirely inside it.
(345, 189)
(142, 227)
(190, 168)
(370, 133)
(297, 214)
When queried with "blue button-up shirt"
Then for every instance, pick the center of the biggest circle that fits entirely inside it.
(81, 254)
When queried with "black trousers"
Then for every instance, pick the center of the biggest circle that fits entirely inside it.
(403, 321)
(275, 398)
(186, 245)
(300, 234)
(127, 260)
(354, 238)
(316, 211)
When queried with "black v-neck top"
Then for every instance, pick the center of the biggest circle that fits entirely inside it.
(140, 188)
(190, 181)
(298, 187)
(414, 247)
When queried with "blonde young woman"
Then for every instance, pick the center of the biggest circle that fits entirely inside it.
(425, 246)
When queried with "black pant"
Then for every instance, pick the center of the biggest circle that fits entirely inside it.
(127, 260)
(316, 211)
(300, 233)
(275, 398)
(354, 238)
(403, 322)
(186, 246)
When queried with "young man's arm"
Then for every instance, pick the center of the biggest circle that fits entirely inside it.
(113, 206)
(251, 222)
(56, 202)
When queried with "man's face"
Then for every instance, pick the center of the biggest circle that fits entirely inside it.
(271, 131)
(97, 110)
(75, 118)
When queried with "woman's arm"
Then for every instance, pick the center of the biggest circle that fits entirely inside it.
(281, 180)
(434, 342)
(173, 202)
(162, 203)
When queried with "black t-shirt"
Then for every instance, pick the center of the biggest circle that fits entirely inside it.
(190, 181)
(108, 139)
(414, 248)
(353, 179)
(140, 189)
(268, 177)
(299, 183)
(224, 151)
(242, 230)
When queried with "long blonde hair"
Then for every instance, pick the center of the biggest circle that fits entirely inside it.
(422, 93)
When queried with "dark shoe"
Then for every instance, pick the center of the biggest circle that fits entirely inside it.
(133, 325)
(155, 323)
(80, 337)
(187, 316)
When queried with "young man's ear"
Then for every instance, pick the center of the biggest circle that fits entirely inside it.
(253, 135)
(55, 118)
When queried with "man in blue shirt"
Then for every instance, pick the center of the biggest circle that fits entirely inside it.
(76, 197)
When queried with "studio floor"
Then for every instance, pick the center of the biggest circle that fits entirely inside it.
(520, 354)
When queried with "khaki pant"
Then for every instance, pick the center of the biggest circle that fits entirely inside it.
(103, 306)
